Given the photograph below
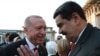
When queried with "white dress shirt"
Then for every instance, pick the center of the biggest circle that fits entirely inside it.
(30, 45)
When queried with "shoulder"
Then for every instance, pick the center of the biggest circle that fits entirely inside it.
(15, 45)
(93, 31)
(96, 30)
(11, 49)
(2, 52)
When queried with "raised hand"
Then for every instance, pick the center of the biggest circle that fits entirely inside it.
(24, 50)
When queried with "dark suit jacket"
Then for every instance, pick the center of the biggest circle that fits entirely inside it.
(89, 43)
(2, 53)
(3, 44)
(11, 49)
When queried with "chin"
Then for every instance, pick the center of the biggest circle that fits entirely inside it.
(40, 42)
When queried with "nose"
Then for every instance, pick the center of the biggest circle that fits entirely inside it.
(60, 31)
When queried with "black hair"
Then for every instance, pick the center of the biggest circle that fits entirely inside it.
(7, 34)
(12, 36)
(66, 10)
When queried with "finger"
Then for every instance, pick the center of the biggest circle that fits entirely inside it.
(36, 53)
(28, 50)
(20, 52)
(24, 50)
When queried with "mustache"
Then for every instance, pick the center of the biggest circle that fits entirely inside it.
(63, 33)
(41, 35)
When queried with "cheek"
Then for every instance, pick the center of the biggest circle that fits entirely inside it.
(38, 41)
(34, 36)
(64, 28)
(33, 32)
(68, 27)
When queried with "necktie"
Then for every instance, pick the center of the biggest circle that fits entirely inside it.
(36, 53)
(35, 48)
(72, 47)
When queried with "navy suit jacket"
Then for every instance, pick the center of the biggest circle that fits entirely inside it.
(89, 43)
(11, 50)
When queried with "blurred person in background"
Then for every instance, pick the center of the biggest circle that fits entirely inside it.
(63, 47)
(5, 39)
(51, 47)
(13, 36)
(59, 37)
(18, 38)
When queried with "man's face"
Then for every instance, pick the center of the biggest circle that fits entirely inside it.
(66, 27)
(37, 31)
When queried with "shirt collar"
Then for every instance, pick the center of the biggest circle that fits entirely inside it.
(31, 46)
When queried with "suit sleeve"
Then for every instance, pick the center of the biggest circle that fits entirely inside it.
(2, 52)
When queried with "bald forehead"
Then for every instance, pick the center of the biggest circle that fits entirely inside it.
(32, 18)
(35, 19)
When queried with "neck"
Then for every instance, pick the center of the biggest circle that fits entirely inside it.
(81, 26)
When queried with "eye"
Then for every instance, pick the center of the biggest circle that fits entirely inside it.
(38, 28)
(60, 25)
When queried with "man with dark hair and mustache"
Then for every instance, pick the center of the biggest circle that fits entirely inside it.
(71, 21)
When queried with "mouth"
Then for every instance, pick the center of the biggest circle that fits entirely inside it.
(41, 36)
(40, 41)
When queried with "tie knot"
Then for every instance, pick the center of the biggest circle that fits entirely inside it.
(35, 48)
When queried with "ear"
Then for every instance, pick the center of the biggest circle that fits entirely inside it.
(76, 17)
(25, 29)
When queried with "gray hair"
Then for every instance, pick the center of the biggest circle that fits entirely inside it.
(27, 22)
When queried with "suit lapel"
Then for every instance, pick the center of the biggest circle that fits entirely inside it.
(40, 51)
(75, 51)
(82, 39)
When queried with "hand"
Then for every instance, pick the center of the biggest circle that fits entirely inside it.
(16, 39)
(23, 50)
